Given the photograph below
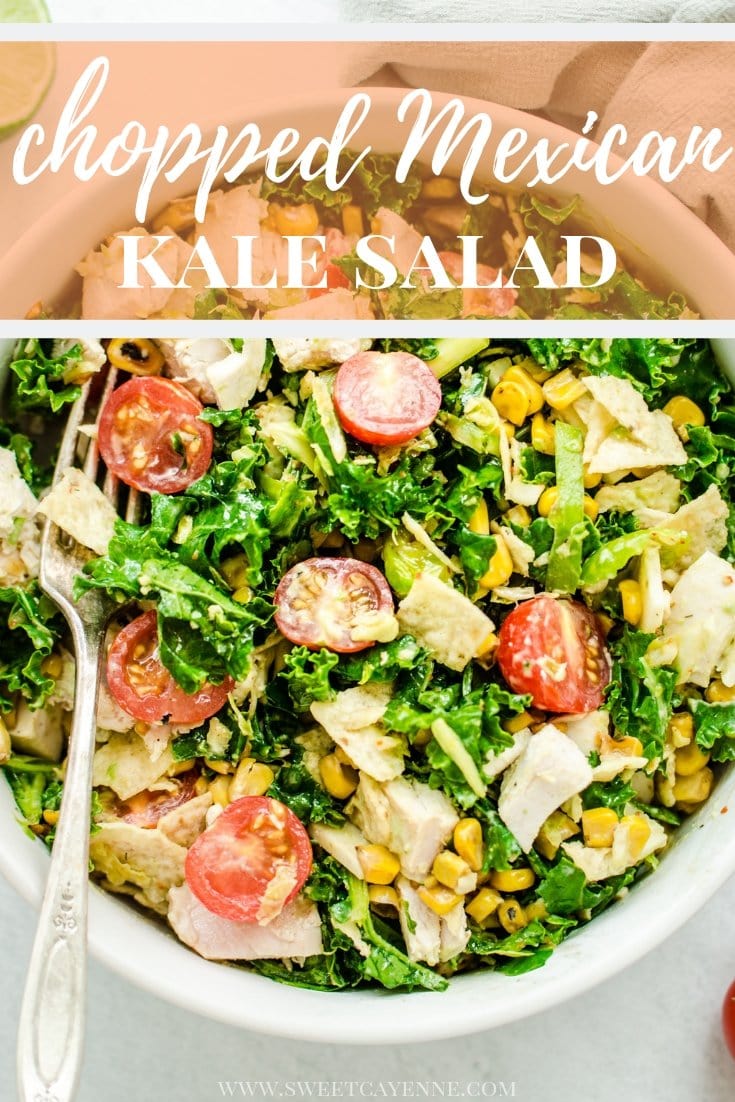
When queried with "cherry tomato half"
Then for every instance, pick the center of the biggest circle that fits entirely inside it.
(320, 603)
(485, 301)
(555, 650)
(146, 807)
(145, 689)
(251, 862)
(386, 397)
(728, 1019)
(151, 437)
(335, 278)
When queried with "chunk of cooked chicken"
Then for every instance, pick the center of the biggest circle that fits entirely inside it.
(313, 353)
(102, 273)
(295, 933)
(411, 819)
(342, 843)
(550, 771)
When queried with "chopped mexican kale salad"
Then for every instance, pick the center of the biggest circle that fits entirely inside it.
(424, 649)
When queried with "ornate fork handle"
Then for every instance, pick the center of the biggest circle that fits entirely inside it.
(51, 1031)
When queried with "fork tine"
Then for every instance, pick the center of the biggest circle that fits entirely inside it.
(68, 447)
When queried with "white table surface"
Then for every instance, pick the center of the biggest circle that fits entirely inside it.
(651, 1034)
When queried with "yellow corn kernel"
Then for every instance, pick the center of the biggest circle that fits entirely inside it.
(590, 507)
(562, 389)
(512, 880)
(598, 826)
(242, 595)
(542, 435)
(439, 187)
(690, 759)
(480, 520)
(439, 899)
(352, 220)
(630, 746)
(467, 840)
(339, 780)
(379, 865)
(219, 790)
(695, 788)
(511, 915)
(500, 566)
(488, 646)
(52, 666)
(517, 723)
(511, 401)
(632, 602)
(683, 411)
(383, 895)
(453, 872)
(605, 622)
(638, 833)
(547, 501)
(483, 905)
(681, 729)
(223, 767)
(518, 515)
(536, 910)
(136, 356)
(180, 767)
(555, 830)
(235, 571)
(300, 220)
(531, 389)
(201, 786)
(591, 480)
(50, 817)
(717, 693)
(252, 778)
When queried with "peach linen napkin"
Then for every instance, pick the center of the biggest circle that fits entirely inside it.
(664, 86)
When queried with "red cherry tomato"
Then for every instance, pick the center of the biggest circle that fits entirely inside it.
(485, 301)
(386, 397)
(335, 278)
(145, 689)
(555, 650)
(151, 437)
(728, 1019)
(146, 808)
(320, 603)
(252, 862)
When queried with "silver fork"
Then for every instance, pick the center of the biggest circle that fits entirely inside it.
(52, 1018)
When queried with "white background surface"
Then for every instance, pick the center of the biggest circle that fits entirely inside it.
(650, 1035)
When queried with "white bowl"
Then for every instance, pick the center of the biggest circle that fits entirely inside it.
(700, 859)
(652, 230)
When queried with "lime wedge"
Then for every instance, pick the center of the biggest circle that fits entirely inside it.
(23, 11)
(26, 71)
